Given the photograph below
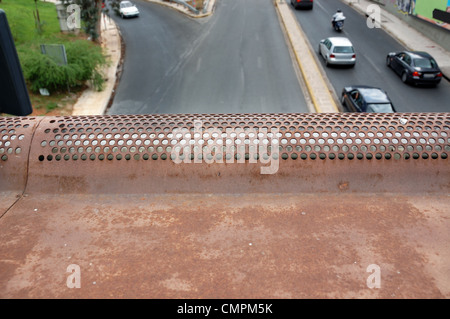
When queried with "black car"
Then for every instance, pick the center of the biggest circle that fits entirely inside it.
(415, 67)
(302, 4)
(368, 99)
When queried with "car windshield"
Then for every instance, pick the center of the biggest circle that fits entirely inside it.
(424, 63)
(126, 5)
(380, 108)
(343, 49)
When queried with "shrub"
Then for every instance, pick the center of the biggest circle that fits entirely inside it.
(84, 62)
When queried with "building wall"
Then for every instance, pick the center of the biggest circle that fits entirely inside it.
(401, 8)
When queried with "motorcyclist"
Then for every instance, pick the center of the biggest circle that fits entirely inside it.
(338, 16)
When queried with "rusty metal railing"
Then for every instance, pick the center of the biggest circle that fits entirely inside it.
(227, 153)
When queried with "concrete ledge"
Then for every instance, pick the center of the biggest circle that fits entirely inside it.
(322, 98)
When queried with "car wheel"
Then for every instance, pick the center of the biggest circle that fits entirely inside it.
(388, 62)
(404, 77)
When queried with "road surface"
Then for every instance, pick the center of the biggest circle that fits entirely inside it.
(372, 46)
(235, 61)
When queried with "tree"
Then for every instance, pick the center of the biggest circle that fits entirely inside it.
(115, 5)
(90, 11)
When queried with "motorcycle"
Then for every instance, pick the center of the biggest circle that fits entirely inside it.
(338, 24)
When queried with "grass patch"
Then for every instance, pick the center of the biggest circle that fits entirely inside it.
(85, 58)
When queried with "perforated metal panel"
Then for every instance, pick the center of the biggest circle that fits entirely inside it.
(306, 136)
(16, 134)
(229, 152)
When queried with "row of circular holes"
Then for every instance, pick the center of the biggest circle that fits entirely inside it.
(241, 132)
(260, 117)
(220, 157)
(232, 148)
(259, 120)
(284, 141)
(157, 127)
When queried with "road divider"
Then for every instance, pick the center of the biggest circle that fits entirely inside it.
(321, 96)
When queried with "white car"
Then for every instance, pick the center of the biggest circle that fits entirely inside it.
(128, 9)
(337, 50)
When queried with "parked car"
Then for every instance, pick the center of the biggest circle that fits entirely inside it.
(337, 51)
(128, 9)
(368, 99)
(302, 4)
(415, 67)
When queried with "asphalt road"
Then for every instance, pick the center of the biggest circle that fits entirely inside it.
(372, 46)
(235, 61)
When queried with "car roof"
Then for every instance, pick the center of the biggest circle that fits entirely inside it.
(419, 54)
(340, 41)
(373, 95)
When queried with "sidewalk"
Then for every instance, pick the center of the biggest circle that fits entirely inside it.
(412, 39)
(92, 102)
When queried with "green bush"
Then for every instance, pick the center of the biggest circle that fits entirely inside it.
(84, 62)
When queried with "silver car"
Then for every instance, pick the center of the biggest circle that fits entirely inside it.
(337, 51)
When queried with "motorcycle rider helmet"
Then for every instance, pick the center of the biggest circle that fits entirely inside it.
(339, 10)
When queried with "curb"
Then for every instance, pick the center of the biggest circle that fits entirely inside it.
(319, 92)
(212, 4)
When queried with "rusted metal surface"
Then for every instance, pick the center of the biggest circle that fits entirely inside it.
(15, 140)
(349, 191)
(226, 246)
(318, 153)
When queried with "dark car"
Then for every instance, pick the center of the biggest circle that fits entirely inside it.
(415, 67)
(368, 99)
(302, 4)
